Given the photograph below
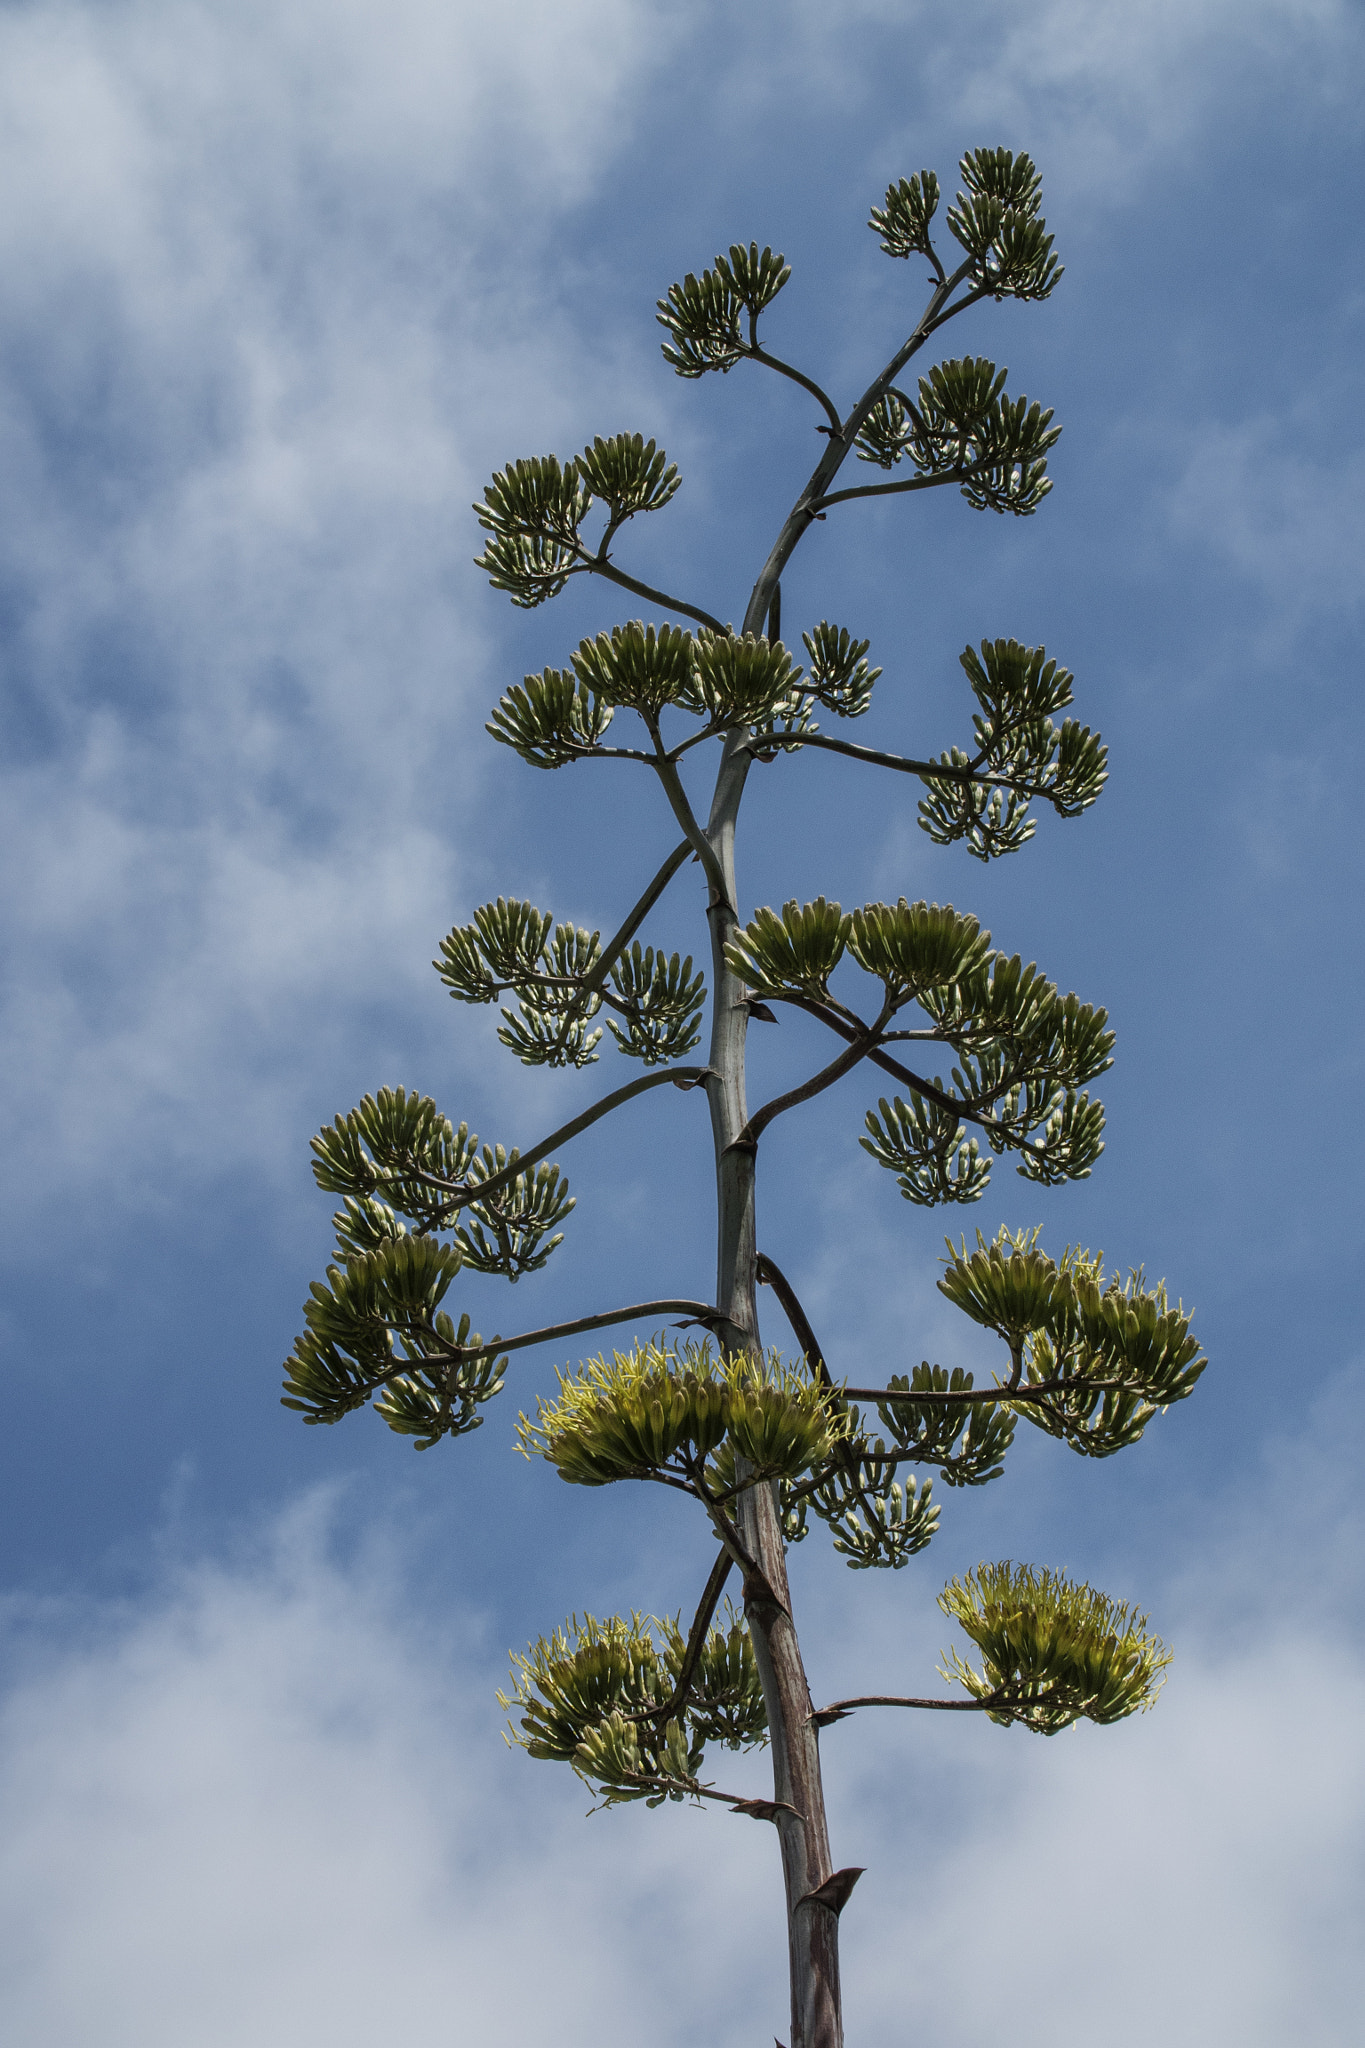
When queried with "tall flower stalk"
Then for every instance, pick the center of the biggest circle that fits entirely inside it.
(760, 1441)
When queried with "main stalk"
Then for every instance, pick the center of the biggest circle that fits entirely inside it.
(812, 1923)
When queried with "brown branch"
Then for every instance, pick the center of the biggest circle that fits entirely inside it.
(697, 1311)
(859, 1048)
(1039, 1391)
(460, 1197)
(666, 770)
(941, 771)
(760, 355)
(598, 565)
(799, 520)
(884, 1060)
(456, 1355)
(915, 483)
(696, 1643)
(600, 969)
(842, 1708)
(757, 1809)
(729, 1536)
(769, 1274)
(845, 1458)
(870, 755)
(592, 981)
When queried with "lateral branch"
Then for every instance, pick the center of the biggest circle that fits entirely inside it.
(841, 1709)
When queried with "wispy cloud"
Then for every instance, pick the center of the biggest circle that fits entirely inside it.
(256, 353)
(1100, 91)
(269, 1803)
(250, 362)
(1279, 505)
(265, 1807)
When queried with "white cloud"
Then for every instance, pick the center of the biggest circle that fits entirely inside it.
(252, 364)
(1110, 89)
(1099, 91)
(1256, 496)
(1111, 84)
(269, 1804)
(277, 278)
(1192, 1877)
(265, 1808)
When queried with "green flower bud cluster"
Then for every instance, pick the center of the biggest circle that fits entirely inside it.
(397, 1156)
(658, 1411)
(998, 223)
(1023, 1049)
(996, 220)
(725, 679)
(597, 1695)
(963, 429)
(1017, 742)
(1109, 1353)
(966, 1440)
(510, 944)
(903, 223)
(712, 320)
(875, 1521)
(533, 511)
(376, 1327)
(1052, 1651)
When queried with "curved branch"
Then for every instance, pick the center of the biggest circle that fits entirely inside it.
(799, 519)
(460, 1198)
(696, 1643)
(707, 732)
(914, 483)
(941, 771)
(589, 984)
(840, 1709)
(612, 951)
(666, 770)
(874, 757)
(972, 299)
(696, 1311)
(849, 1461)
(456, 1355)
(760, 355)
(598, 565)
(608, 754)
(756, 1584)
(1039, 1391)
(859, 1048)
(903, 1074)
(769, 1274)
(757, 1809)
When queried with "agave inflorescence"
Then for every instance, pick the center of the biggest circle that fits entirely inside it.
(983, 1056)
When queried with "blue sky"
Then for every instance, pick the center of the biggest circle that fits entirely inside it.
(283, 285)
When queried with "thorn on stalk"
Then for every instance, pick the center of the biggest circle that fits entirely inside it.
(764, 1809)
(835, 1891)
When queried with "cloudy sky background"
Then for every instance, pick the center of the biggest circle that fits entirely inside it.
(281, 286)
